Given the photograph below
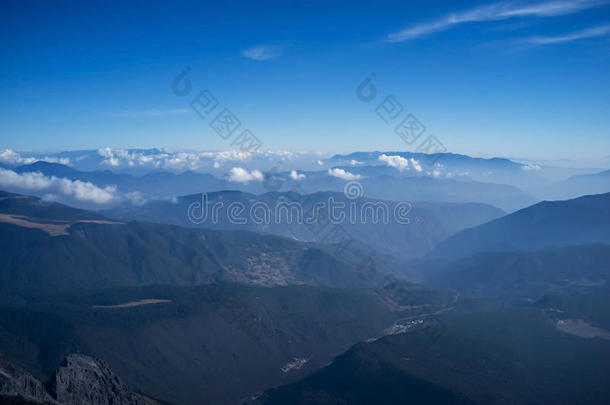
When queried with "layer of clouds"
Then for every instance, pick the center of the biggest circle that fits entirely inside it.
(231, 155)
(241, 175)
(10, 157)
(342, 174)
(162, 159)
(495, 12)
(80, 190)
(188, 160)
(159, 159)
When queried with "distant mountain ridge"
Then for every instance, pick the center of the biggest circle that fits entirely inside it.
(442, 158)
(159, 184)
(525, 276)
(597, 183)
(380, 182)
(428, 223)
(583, 220)
(66, 249)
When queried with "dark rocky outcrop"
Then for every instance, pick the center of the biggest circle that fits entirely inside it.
(20, 387)
(84, 380)
(79, 380)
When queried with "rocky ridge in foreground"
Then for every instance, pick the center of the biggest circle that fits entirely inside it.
(79, 380)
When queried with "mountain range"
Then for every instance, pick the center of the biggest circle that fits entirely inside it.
(378, 224)
(579, 221)
(508, 311)
(379, 183)
(513, 355)
(65, 249)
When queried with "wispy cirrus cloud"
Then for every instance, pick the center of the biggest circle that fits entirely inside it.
(592, 32)
(495, 12)
(263, 52)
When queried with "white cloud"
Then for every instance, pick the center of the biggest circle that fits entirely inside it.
(355, 163)
(296, 176)
(416, 165)
(28, 181)
(262, 52)
(282, 154)
(181, 160)
(495, 12)
(109, 158)
(9, 156)
(530, 166)
(80, 190)
(592, 32)
(136, 198)
(86, 191)
(342, 174)
(241, 175)
(232, 155)
(320, 163)
(155, 159)
(60, 160)
(395, 161)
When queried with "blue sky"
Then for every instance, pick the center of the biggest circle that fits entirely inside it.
(526, 79)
